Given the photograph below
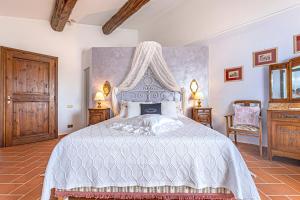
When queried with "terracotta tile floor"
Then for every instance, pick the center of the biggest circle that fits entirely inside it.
(21, 168)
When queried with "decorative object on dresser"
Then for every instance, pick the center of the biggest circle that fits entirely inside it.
(233, 74)
(265, 57)
(97, 115)
(284, 109)
(202, 115)
(297, 43)
(28, 97)
(98, 98)
(246, 120)
(198, 96)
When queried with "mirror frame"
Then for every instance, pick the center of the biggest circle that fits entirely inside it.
(288, 66)
(293, 63)
(276, 67)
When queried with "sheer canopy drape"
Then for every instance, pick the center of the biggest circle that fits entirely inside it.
(147, 54)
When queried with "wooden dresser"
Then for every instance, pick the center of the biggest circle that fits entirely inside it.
(97, 115)
(202, 115)
(284, 133)
(284, 110)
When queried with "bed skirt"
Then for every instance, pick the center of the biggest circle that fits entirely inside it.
(136, 192)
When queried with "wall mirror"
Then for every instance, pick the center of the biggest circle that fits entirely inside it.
(278, 84)
(285, 81)
(296, 82)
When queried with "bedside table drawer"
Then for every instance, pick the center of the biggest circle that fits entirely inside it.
(202, 115)
(98, 115)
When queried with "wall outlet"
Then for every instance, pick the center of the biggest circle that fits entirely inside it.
(70, 125)
(69, 106)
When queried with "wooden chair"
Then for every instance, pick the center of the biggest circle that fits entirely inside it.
(245, 129)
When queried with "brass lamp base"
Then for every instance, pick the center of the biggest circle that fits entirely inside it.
(199, 103)
(98, 104)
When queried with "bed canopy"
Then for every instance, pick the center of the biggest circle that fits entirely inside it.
(147, 55)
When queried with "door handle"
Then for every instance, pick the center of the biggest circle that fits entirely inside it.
(8, 99)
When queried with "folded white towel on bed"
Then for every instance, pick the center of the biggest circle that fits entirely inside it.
(146, 124)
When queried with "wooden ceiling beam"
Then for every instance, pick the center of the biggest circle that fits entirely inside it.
(128, 9)
(61, 14)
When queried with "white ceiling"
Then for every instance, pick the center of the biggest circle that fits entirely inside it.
(94, 12)
(97, 12)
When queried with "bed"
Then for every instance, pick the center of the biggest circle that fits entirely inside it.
(190, 161)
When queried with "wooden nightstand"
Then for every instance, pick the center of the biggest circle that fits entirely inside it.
(202, 115)
(97, 115)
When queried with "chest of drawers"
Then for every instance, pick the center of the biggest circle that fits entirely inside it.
(284, 133)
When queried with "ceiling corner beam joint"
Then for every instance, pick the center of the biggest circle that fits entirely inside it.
(128, 9)
(61, 14)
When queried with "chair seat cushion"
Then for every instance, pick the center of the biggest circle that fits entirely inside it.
(245, 127)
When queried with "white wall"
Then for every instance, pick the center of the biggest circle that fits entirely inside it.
(234, 49)
(69, 46)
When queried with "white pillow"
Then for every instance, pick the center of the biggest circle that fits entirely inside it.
(134, 108)
(169, 108)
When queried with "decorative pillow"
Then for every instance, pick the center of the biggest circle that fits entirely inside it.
(124, 109)
(154, 108)
(169, 108)
(246, 115)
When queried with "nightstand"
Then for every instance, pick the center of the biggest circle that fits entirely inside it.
(97, 115)
(202, 115)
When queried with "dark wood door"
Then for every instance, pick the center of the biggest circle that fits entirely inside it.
(30, 95)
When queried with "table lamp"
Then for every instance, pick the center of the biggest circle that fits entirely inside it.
(99, 97)
(199, 96)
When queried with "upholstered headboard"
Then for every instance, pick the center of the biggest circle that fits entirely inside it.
(149, 89)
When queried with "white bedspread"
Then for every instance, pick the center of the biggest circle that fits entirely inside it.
(192, 155)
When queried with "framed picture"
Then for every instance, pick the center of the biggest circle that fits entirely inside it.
(297, 44)
(233, 74)
(265, 57)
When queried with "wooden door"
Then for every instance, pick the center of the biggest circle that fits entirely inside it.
(30, 97)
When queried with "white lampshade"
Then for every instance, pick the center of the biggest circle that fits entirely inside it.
(99, 96)
(199, 96)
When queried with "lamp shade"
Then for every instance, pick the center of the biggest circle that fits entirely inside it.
(194, 86)
(198, 96)
(99, 96)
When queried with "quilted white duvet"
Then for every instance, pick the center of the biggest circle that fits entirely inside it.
(192, 155)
